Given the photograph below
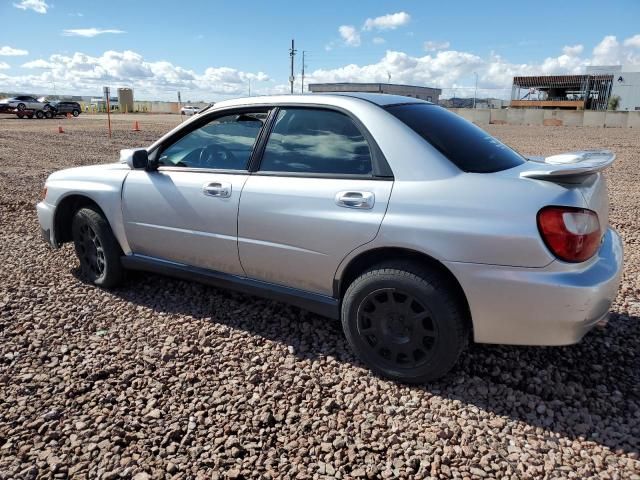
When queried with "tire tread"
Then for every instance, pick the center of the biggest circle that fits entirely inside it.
(429, 278)
(111, 247)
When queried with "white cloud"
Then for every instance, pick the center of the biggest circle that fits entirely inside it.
(38, 64)
(350, 35)
(432, 46)
(611, 52)
(39, 6)
(89, 32)
(448, 69)
(451, 69)
(633, 41)
(573, 50)
(443, 69)
(4, 66)
(390, 21)
(607, 51)
(85, 75)
(12, 52)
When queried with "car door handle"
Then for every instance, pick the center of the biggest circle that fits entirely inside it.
(217, 189)
(364, 200)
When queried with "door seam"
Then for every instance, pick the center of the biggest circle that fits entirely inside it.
(238, 224)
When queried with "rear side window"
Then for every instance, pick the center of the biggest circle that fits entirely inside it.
(469, 147)
(308, 140)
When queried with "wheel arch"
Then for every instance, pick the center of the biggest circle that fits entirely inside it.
(64, 212)
(369, 258)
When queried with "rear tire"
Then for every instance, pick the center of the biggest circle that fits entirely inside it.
(21, 106)
(97, 248)
(48, 114)
(40, 114)
(405, 323)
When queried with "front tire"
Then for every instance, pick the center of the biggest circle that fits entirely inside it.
(405, 323)
(21, 107)
(75, 113)
(96, 248)
(40, 114)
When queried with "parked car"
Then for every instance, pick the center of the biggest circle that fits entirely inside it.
(4, 106)
(24, 102)
(189, 110)
(39, 114)
(416, 228)
(64, 107)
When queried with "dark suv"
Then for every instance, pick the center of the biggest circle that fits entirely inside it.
(62, 108)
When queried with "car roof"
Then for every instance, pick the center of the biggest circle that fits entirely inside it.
(380, 99)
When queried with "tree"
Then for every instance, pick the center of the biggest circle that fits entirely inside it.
(614, 102)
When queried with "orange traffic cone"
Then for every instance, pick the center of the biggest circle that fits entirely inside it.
(60, 130)
(136, 127)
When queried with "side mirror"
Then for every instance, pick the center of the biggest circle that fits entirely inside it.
(136, 158)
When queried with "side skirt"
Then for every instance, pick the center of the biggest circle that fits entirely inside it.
(314, 302)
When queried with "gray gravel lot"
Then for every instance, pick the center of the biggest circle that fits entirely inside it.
(168, 379)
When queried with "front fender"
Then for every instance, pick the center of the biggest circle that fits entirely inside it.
(106, 192)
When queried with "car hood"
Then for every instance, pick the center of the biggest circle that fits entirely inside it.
(91, 172)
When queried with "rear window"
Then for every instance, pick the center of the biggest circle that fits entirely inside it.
(469, 147)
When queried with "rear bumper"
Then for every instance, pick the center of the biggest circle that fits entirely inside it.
(555, 305)
(45, 218)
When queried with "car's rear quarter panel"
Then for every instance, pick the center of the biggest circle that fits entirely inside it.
(477, 218)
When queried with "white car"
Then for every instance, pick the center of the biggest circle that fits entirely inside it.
(416, 228)
(189, 110)
(26, 102)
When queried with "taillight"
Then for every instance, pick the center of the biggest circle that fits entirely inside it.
(44, 193)
(572, 234)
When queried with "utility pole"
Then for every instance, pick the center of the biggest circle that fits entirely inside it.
(475, 91)
(302, 77)
(292, 54)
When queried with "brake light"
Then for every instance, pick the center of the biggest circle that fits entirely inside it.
(572, 234)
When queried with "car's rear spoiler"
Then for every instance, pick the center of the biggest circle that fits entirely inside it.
(570, 164)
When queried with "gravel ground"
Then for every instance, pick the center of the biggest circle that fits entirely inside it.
(168, 379)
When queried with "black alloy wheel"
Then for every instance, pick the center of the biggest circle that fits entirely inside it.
(397, 327)
(406, 322)
(90, 251)
(97, 248)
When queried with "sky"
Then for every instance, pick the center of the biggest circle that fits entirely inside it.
(212, 50)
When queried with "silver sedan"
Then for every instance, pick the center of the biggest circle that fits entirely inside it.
(417, 229)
